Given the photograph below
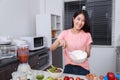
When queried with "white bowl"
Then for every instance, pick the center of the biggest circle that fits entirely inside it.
(56, 74)
(78, 56)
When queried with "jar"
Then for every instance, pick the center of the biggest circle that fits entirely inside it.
(23, 52)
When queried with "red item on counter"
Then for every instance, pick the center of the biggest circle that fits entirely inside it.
(23, 54)
(111, 76)
(23, 58)
(66, 78)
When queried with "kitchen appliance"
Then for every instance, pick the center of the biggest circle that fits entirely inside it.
(35, 42)
(44, 60)
(23, 55)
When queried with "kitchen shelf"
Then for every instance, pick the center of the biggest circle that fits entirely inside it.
(55, 25)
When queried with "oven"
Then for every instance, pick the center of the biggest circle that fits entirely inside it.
(44, 60)
(40, 59)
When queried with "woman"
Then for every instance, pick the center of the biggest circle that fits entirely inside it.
(76, 38)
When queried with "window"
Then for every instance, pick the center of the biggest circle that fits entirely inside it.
(70, 8)
(100, 13)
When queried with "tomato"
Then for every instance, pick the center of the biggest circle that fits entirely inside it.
(116, 78)
(71, 78)
(66, 78)
(101, 77)
(77, 78)
(111, 76)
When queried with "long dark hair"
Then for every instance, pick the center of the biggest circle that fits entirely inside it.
(86, 26)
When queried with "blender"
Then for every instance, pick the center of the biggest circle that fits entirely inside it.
(23, 54)
(24, 71)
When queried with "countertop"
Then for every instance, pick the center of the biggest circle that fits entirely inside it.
(46, 74)
(7, 61)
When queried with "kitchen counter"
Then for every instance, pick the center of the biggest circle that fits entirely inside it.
(46, 74)
(9, 65)
(8, 61)
(64, 74)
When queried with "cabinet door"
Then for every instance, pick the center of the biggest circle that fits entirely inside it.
(15, 66)
(34, 62)
(2, 75)
(5, 73)
(57, 57)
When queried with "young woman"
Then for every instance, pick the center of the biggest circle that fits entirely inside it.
(76, 38)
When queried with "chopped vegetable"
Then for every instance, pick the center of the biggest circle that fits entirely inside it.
(40, 77)
(54, 69)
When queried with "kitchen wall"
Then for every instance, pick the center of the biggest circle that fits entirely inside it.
(17, 18)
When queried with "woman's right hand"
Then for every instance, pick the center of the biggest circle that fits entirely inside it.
(63, 43)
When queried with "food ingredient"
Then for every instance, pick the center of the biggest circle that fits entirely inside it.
(54, 69)
(66, 78)
(49, 78)
(40, 77)
(111, 76)
(116, 78)
(78, 78)
(71, 78)
(91, 76)
(101, 77)
(23, 58)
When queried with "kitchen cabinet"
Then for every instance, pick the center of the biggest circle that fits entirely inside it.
(55, 25)
(5, 72)
(57, 56)
(34, 62)
(7, 66)
(39, 60)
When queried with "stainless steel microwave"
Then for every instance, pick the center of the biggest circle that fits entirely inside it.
(36, 42)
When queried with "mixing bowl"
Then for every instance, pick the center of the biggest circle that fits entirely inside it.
(78, 56)
(56, 74)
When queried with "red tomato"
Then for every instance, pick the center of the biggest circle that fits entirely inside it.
(101, 77)
(71, 78)
(116, 78)
(77, 78)
(111, 76)
(66, 78)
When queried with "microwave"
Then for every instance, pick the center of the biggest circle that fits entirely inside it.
(36, 42)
